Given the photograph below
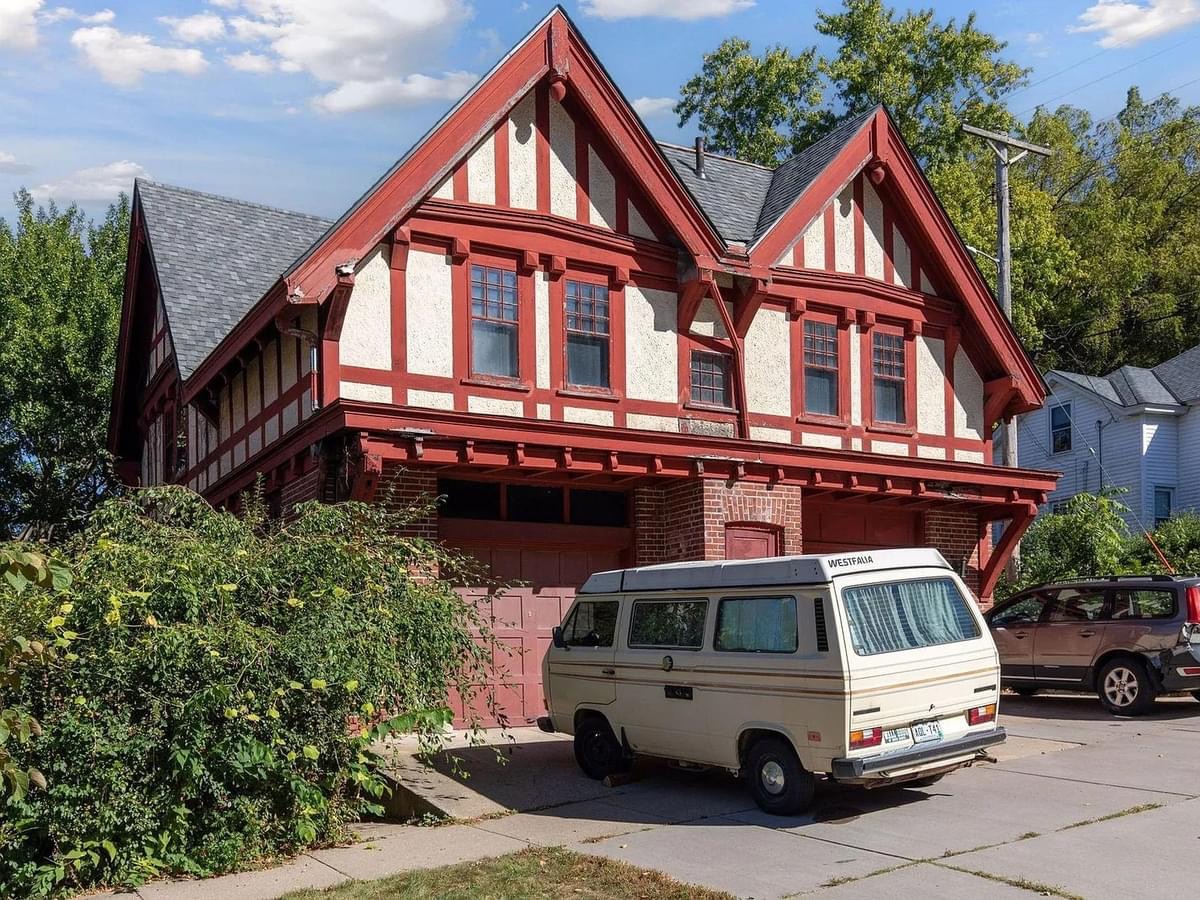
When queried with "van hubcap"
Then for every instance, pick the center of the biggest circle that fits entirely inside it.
(772, 777)
(1121, 686)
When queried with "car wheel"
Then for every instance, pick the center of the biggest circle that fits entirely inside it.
(778, 783)
(1196, 694)
(1025, 690)
(1124, 687)
(597, 750)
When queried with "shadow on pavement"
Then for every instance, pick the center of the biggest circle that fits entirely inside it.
(1086, 708)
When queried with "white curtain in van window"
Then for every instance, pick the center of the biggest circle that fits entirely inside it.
(934, 610)
(875, 623)
(907, 615)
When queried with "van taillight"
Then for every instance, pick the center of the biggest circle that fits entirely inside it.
(980, 714)
(868, 737)
(1193, 604)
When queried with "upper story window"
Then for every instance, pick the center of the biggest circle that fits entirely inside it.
(494, 322)
(710, 379)
(1163, 501)
(1060, 428)
(888, 370)
(587, 319)
(820, 368)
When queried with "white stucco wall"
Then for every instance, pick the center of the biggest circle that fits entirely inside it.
(872, 231)
(289, 347)
(253, 388)
(367, 329)
(856, 410)
(651, 423)
(585, 416)
(522, 154)
(708, 320)
(429, 316)
(931, 385)
(494, 406)
(371, 393)
(290, 416)
(775, 435)
(637, 223)
(481, 172)
(814, 243)
(889, 448)
(787, 257)
(931, 452)
(768, 356)
(901, 260)
(926, 284)
(445, 190)
(651, 345)
(968, 398)
(843, 230)
(562, 161)
(816, 439)
(602, 192)
(543, 410)
(237, 396)
(430, 399)
(541, 321)
(270, 373)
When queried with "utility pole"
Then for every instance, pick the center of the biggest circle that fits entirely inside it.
(1003, 145)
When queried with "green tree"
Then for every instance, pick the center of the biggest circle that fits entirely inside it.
(60, 299)
(1086, 538)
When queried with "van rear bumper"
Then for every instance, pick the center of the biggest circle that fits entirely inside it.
(866, 766)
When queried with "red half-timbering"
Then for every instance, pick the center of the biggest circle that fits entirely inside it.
(736, 398)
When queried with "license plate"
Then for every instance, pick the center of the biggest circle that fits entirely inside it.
(896, 734)
(926, 731)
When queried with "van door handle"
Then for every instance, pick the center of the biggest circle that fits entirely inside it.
(608, 671)
(1087, 633)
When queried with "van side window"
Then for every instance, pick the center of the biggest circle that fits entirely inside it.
(669, 624)
(592, 624)
(757, 625)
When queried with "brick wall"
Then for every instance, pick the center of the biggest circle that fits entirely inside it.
(306, 487)
(957, 535)
(685, 520)
(402, 488)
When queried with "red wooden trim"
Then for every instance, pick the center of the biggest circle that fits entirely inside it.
(462, 190)
(542, 154)
(830, 236)
(398, 280)
(500, 136)
(1022, 518)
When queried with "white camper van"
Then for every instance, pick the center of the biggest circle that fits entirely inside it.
(871, 668)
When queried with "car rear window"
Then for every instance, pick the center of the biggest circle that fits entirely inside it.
(905, 615)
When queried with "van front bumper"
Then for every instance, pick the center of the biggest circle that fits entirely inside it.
(883, 763)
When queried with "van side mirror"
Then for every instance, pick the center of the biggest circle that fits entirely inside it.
(558, 639)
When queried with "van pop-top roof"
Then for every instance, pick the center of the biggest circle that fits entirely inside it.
(815, 569)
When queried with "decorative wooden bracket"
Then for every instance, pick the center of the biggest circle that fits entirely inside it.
(459, 249)
(557, 267)
(1022, 518)
(618, 278)
(797, 308)
(749, 299)
(529, 262)
(996, 396)
(866, 319)
(401, 239)
(691, 293)
(368, 469)
(560, 60)
(339, 300)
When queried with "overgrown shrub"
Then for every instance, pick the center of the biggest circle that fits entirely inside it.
(214, 682)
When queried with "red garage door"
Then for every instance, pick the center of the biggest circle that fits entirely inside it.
(552, 560)
(839, 527)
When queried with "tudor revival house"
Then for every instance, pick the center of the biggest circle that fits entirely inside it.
(601, 350)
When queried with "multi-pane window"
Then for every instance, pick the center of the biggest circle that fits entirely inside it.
(493, 322)
(820, 369)
(1163, 497)
(710, 379)
(587, 334)
(887, 366)
(1060, 428)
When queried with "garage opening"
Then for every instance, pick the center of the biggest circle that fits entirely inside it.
(843, 527)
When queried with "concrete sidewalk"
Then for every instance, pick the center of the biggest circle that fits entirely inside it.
(1079, 804)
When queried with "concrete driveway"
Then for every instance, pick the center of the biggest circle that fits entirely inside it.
(1079, 804)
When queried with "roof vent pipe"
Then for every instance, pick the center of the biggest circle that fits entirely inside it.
(700, 158)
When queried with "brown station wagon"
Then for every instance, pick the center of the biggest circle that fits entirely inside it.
(1128, 638)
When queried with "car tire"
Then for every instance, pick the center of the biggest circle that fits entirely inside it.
(779, 784)
(597, 749)
(1196, 694)
(1025, 690)
(1125, 688)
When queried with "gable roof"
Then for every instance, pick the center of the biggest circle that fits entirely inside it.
(1181, 374)
(215, 257)
(1171, 383)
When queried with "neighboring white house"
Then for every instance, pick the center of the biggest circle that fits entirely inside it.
(1135, 428)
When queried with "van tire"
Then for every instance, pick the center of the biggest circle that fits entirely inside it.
(779, 784)
(1124, 687)
(597, 749)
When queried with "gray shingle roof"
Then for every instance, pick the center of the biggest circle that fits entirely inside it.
(1167, 384)
(215, 258)
(1181, 374)
(731, 193)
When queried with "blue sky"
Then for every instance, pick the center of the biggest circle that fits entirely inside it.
(304, 103)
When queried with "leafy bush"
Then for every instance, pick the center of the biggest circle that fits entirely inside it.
(218, 684)
(1088, 537)
(1179, 540)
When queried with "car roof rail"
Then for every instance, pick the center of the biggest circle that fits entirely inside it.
(1156, 577)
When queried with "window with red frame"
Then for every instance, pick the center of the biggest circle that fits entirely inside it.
(710, 379)
(494, 322)
(587, 321)
(820, 368)
(888, 369)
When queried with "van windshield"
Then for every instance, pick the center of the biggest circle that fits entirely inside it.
(905, 615)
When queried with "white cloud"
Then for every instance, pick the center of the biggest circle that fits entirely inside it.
(372, 52)
(647, 107)
(18, 24)
(225, 4)
(257, 63)
(197, 28)
(94, 183)
(687, 10)
(10, 166)
(66, 13)
(1035, 37)
(352, 96)
(122, 59)
(1125, 23)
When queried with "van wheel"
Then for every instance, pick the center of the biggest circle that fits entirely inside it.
(597, 750)
(1124, 687)
(778, 782)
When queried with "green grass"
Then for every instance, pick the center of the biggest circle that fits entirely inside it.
(535, 874)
